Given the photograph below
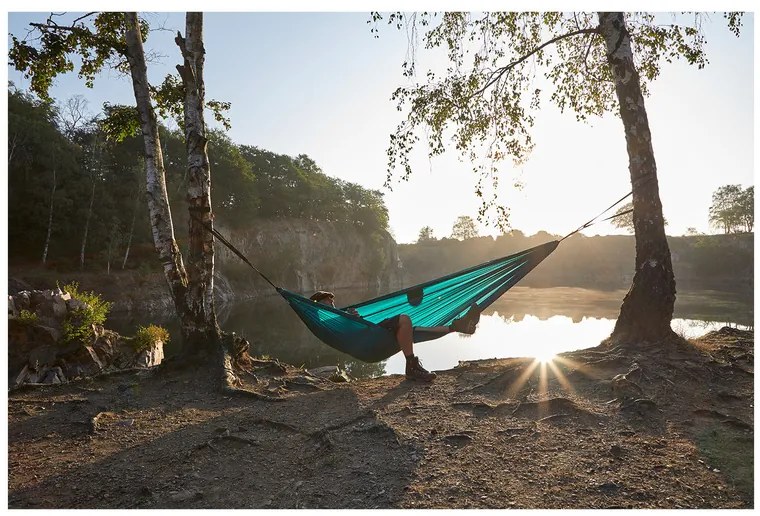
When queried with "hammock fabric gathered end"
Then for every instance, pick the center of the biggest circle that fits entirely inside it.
(434, 303)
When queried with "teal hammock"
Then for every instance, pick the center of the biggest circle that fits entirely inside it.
(434, 303)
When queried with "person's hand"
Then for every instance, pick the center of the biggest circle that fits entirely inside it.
(352, 311)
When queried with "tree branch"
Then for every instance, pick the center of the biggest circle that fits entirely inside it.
(55, 26)
(499, 72)
(83, 17)
(589, 73)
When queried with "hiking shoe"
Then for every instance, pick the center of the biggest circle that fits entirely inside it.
(468, 322)
(415, 371)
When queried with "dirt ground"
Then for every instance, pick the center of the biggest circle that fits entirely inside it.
(669, 426)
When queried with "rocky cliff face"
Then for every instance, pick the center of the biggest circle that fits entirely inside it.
(299, 255)
(305, 256)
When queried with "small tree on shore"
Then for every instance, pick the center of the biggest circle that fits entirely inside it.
(464, 228)
(426, 234)
(733, 209)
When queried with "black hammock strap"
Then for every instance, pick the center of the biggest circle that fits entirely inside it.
(233, 249)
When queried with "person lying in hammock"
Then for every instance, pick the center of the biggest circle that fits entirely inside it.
(401, 327)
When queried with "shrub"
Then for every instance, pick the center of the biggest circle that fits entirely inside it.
(146, 337)
(77, 326)
(27, 318)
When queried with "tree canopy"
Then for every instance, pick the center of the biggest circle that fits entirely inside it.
(249, 184)
(733, 209)
(504, 66)
(464, 228)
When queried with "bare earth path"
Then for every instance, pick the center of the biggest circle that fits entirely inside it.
(666, 427)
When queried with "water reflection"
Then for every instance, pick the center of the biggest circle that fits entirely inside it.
(525, 322)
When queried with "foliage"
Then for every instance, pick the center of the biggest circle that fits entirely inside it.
(98, 42)
(487, 98)
(147, 337)
(120, 122)
(733, 209)
(624, 220)
(27, 318)
(77, 326)
(248, 184)
(426, 234)
(464, 228)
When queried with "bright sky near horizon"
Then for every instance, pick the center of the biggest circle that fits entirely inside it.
(320, 84)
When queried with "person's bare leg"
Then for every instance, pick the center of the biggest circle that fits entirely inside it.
(441, 329)
(405, 335)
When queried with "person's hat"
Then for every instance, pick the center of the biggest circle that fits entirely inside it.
(320, 295)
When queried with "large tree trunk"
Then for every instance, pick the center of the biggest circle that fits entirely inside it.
(50, 219)
(648, 306)
(155, 184)
(200, 263)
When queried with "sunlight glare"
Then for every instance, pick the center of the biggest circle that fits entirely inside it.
(544, 356)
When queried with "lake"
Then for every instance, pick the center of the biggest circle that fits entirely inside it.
(533, 322)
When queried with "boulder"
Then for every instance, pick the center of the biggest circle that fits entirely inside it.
(151, 357)
(58, 307)
(23, 300)
(75, 304)
(54, 375)
(24, 338)
(39, 299)
(12, 310)
(82, 362)
(42, 357)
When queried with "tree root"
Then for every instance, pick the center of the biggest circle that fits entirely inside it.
(48, 400)
(95, 420)
(233, 354)
(553, 417)
(321, 435)
(226, 435)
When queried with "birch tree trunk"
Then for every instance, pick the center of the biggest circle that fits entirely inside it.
(87, 226)
(50, 219)
(155, 185)
(200, 262)
(648, 306)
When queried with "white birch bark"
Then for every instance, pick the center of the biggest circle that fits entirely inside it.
(200, 263)
(155, 186)
(648, 306)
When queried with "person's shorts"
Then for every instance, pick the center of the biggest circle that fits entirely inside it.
(391, 323)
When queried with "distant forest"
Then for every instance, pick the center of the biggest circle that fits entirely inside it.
(720, 262)
(77, 198)
(77, 201)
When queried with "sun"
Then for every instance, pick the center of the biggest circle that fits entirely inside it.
(544, 356)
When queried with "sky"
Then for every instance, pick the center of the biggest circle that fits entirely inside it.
(319, 83)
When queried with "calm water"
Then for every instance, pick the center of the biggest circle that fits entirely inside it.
(524, 322)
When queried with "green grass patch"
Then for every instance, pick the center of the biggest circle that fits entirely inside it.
(732, 452)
